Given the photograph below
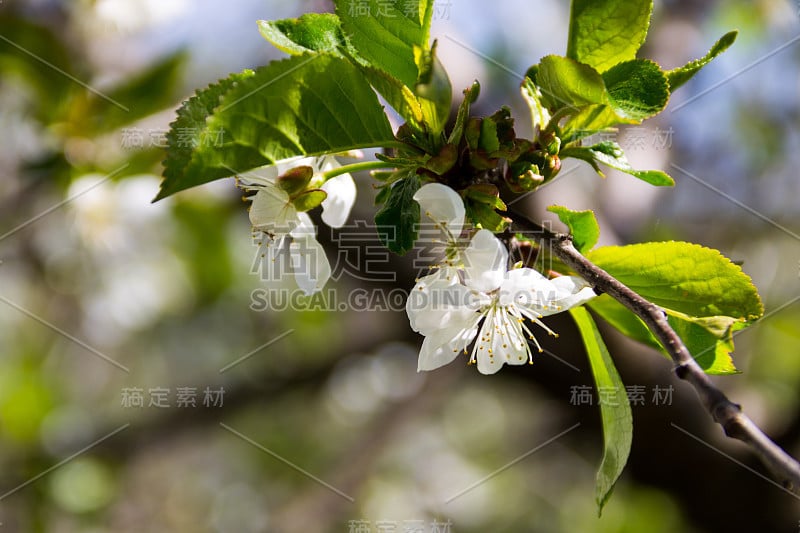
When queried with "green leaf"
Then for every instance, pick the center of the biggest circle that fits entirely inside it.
(588, 121)
(444, 160)
(582, 226)
(488, 139)
(385, 33)
(383, 194)
(187, 135)
(433, 89)
(401, 98)
(472, 132)
(317, 32)
(304, 105)
(615, 411)
(398, 220)
(603, 33)
(704, 312)
(567, 83)
(323, 33)
(484, 216)
(637, 89)
(486, 193)
(679, 76)
(611, 154)
(684, 277)
(424, 102)
(623, 320)
(470, 96)
(533, 97)
(708, 339)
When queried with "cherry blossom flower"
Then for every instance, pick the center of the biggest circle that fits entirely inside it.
(285, 229)
(479, 259)
(340, 190)
(489, 311)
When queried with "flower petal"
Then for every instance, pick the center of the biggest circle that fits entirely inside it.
(443, 205)
(304, 227)
(571, 292)
(526, 287)
(444, 345)
(267, 175)
(484, 354)
(446, 273)
(485, 262)
(272, 211)
(309, 264)
(440, 304)
(501, 341)
(341, 198)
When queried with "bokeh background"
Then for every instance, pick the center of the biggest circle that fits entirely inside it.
(317, 420)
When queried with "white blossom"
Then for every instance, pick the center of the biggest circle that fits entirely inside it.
(285, 230)
(341, 190)
(489, 311)
(481, 259)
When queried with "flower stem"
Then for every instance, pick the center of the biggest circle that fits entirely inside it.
(355, 167)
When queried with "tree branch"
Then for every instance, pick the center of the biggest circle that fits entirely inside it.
(726, 413)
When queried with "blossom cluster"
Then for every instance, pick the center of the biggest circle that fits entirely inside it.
(473, 297)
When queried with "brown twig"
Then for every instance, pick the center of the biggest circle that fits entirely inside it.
(726, 413)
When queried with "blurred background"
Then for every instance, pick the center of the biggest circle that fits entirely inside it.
(141, 391)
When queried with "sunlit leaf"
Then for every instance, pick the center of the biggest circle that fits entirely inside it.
(433, 89)
(590, 120)
(681, 75)
(611, 154)
(533, 97)
(582, 226)
(318, 32)
(304, 105)
(615, 410)
(189, 132)
(685, 277)
(637, 89)
(603, 33)
(566, 82)
(385, 33)
(708, 339)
